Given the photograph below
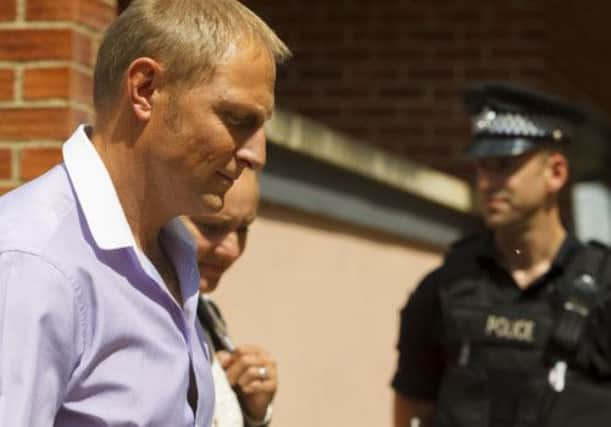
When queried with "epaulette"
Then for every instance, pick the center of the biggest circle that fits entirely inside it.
(466, 241)
(472, 243)
(598, 244)
(463, 253)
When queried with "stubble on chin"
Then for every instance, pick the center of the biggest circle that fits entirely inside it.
(207, 285)
(210, 204)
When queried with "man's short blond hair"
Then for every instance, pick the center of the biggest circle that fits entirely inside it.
(188, 37)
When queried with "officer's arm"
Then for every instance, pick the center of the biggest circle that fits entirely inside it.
(410, 412)
(419, 366)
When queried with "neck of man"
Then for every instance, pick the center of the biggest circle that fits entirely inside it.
(528, 249)
(135, 186)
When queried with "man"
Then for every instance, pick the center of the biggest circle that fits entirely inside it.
(511, 330)
(247, 385)
(98, 278)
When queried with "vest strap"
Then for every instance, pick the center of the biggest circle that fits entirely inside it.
(578, 294)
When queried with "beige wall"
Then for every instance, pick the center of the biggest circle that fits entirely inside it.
(324, 298)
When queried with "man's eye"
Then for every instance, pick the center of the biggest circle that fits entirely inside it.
(240, 121)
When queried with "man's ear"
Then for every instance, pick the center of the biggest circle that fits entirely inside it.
(142, 79)
(558, 172)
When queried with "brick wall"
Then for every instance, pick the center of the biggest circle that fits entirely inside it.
(390, 72)
(47, 48)
(387, 72)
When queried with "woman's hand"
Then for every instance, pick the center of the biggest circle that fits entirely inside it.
(253, 374)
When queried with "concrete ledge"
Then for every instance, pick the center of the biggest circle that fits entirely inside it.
(301, 135)
(317, 187)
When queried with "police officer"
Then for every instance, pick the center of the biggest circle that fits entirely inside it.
(514, 328)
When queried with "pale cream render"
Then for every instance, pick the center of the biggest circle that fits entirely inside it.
(324, 298)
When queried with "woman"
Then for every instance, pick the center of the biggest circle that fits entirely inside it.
(245, 377)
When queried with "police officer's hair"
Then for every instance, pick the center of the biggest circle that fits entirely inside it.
(555, 147)
(190, 38)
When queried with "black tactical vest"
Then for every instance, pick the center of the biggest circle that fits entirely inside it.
(528, 363)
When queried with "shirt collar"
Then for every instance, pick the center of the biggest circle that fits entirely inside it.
(180, 235)
(96, 193)
(99, 201)
(568, 247)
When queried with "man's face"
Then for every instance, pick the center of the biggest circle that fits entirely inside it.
(511, 189)
(206, 136)
(221, 237)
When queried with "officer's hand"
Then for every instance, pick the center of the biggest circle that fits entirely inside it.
(255, 386)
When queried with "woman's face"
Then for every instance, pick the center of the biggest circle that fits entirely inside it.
(221, 237)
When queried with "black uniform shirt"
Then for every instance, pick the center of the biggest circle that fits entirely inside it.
(421, 361)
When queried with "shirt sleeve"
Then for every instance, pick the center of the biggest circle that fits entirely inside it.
(420, 361)
(39, 339)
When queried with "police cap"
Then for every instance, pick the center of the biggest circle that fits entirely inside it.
(508, 120)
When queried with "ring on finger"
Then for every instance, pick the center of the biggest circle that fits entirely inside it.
(262, 373)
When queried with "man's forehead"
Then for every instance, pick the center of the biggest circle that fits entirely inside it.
(246, 79)
(505, 158)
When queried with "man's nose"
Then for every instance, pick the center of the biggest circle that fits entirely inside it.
(254, 151)
(483, 177)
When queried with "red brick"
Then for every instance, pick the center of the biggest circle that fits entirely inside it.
(56, 10)
(35, 161)
(335, 91)
(398, 132)
(415, 58)
(437, 73)
(38, 123)
(443, 132)
(8, 10)
(5, 163)
(522, 53)
(320, 74)
(432, 36)
(487, 73)
(379, 111)
(6, 189)
(375, 73)
(62, 82)
(34, 44)
(40, 83)
(7, 79)
(95, 14)
(453, 55)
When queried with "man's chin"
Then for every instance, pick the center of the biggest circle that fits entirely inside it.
(495, 222)
(210, 204)
(207, 285)
(503, 224)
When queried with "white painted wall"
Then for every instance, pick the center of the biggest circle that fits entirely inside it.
(592, 211)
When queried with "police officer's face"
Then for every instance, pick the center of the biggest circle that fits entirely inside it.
(513, 189)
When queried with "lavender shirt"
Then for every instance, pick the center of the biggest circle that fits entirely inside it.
(89, 334)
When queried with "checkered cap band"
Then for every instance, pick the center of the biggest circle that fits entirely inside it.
(511, 124)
